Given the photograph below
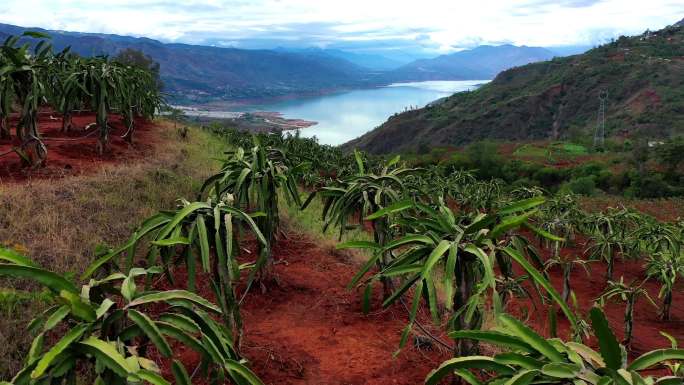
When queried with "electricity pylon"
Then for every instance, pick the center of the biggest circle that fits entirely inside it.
(600, 133)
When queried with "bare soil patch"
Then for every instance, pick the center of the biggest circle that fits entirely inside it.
(74, 152)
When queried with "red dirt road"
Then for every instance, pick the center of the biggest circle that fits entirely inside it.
(311, 330)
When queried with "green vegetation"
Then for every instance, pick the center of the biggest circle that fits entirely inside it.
(529, 358)
(256, 178)
(451, 245)
(556, 100)
(66, 219)
(103, 320)
(445, 254)
(446, 231)
(31, 79)
(360, 195)
(666, 267)
(629, 293)
(639, 171)
(552, 151)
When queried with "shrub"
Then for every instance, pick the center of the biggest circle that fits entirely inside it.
(584, 185)
(549, 176)
(484, 157)
(652, 186)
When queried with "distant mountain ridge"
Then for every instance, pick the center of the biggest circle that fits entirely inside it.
(643, 76)
(483, 62)
(372, 62)
(194, 74)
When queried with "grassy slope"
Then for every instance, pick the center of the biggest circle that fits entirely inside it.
(60, 222)
(644, 78)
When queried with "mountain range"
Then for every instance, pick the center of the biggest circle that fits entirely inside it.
(194, 74)
(371, 61)
(642, 78)
(483, 62)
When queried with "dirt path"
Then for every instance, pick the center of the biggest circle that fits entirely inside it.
(311, 330)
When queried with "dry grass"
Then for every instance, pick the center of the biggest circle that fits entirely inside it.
(60, 222)
(310, 222)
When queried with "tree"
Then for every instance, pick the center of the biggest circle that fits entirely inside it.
(137, 96)
(177, 115)
(138, 59)
(566, 263)
(665, 267)
(106, 329)
(22, 70)
(64, 93)
(466, 246)
(38, 77)
(605, 246)
(671, 153)
(362, 195)
(111, 87)
(640, 154)
(256, 178)
(629, 293)
(203, 229)
(560, 215)
(484, 156)
(6, 101)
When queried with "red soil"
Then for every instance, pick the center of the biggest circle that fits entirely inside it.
(310, 329)
(647, 325)
(643, 100)
(70, 153)
(664, 209)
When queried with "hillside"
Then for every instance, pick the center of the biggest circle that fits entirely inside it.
(371, 61)
(483, 62)
(643, 76)
(198, 73)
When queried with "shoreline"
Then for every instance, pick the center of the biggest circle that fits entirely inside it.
(259, 121)
(259, 116)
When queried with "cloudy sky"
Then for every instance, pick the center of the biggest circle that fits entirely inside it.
(435, 25)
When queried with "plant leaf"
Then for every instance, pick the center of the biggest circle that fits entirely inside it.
(69, 338)
(171, 295)
(608, 344)
(150, 329)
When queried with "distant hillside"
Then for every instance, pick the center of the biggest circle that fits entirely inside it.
(483, 62)
(643, 76)
(374, 62)
(198, 73)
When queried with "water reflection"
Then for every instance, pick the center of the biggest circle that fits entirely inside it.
(347, 115)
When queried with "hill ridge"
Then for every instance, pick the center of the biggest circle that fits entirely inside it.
(556, 99)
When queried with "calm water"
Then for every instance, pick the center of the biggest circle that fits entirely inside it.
(344, 116)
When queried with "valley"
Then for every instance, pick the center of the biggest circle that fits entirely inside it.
(359, 193)
(198, 75)
(339, 117)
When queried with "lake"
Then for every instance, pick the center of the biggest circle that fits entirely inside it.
(347, 115)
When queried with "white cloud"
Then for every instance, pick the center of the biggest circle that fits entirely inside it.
(449, 24)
